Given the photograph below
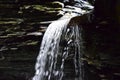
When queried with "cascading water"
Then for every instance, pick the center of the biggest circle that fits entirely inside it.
(46, 66)
(46, 61)
(60, 40)
(74, 46)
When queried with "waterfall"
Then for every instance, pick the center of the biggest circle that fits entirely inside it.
(50, 51)
(60, 40)
(74, 45)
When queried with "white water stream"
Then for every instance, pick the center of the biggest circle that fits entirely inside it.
(59, 41)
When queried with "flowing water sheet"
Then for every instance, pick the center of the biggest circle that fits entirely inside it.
(60, 40)
(49, 51)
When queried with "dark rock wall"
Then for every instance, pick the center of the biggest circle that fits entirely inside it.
(19, 45)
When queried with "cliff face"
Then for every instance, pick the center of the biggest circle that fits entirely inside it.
(20, 36)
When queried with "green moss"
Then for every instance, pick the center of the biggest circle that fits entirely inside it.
(56, 4)
(45, 8)
(3, 36)
(8, 22)
(41, 8)
(11, 35)
(33, 43)
(38, 7)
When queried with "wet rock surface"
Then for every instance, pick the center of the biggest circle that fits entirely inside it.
(20, 37)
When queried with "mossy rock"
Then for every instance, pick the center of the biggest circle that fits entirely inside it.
(56, 4)
(46, 7)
